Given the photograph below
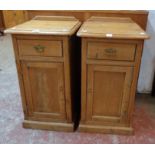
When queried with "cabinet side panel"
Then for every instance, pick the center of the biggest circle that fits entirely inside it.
(67, 78)
(139, 51)
(83, 80)
(20, 75)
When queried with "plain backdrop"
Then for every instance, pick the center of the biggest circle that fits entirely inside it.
(147, 70)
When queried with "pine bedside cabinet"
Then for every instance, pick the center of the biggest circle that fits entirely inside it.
(111, 56)
(43, 48)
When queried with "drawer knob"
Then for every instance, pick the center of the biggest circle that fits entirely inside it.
(39, 48)
(110, 51)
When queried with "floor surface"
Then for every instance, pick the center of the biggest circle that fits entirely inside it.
(11, 115)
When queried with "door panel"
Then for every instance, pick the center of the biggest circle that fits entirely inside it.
(108, 91)
(44, 86)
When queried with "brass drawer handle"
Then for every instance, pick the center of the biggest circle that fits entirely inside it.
(107, 51)
(110, 51)
(39, 48)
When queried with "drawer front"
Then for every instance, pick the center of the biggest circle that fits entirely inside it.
(40, 48)
(111, 51)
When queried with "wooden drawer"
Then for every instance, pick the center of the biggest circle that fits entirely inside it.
(40, 48)
(111, 51)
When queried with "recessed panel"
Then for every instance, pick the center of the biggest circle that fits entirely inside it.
(108, 92)
(44, 86)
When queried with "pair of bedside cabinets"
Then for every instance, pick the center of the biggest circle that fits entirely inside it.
(53, 72)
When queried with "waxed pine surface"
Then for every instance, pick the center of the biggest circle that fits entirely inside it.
(56, 26)
(112, 27)
(11, 115)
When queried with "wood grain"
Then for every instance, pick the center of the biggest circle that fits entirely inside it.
(55, 126)
(104, 102)
(45, 48)
(106, 129)
(109, 82)
(43, 26)
(44, 88)
(117, 28)
(140, 17)
(45, 80)
(14, 17)
(111, 51)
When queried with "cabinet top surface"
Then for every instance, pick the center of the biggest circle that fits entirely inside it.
(112, 27)
(47, 25)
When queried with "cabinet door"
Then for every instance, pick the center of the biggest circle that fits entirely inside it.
(44, 88)
(108, 89)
